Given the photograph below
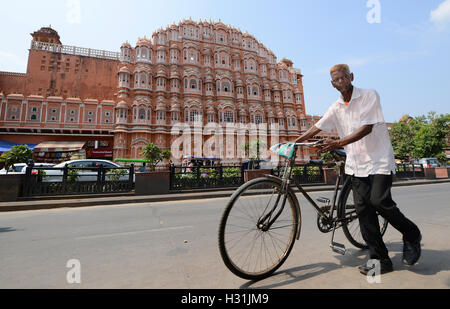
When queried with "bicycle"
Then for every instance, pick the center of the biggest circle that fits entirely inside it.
(257, 231)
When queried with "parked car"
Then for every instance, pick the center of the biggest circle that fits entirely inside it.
(20, 168)
(56, 175)
(257, 164)
(429, 162)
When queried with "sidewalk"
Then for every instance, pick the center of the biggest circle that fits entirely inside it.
(84, 201)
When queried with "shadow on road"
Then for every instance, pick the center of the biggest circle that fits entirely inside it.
(431, 263)
(6, 229)
(304, 272)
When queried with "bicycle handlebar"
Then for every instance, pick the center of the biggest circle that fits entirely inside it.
(310, 143)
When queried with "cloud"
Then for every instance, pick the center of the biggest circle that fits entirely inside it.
(440, 17)
(12, 63)
(73, 15)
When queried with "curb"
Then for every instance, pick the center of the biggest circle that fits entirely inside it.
(78, 201)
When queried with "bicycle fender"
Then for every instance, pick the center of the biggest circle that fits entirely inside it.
(294, 199)
(347, 183)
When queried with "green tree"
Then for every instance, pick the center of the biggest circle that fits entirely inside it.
(154, 154)
(402, 137)
(429, 140)
(17, 154)
(420, 137)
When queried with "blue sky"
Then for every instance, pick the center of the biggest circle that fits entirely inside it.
(403, 52)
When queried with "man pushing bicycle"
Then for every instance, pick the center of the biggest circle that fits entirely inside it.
(362, 131)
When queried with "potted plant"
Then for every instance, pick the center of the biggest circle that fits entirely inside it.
(153, 182)
(154, 154)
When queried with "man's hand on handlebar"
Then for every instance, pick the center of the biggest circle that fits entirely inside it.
(330, 144)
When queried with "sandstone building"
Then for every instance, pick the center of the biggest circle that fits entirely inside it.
(193, 73)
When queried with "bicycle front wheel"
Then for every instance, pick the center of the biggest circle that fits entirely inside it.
(247, 249)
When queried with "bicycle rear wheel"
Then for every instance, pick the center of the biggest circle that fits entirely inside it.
(351, 227)
(248, 250)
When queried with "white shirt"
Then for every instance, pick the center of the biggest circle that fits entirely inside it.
(373, 154)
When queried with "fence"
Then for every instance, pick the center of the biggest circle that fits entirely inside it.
(42, 181)
(74, 50)
(305, 173)
(406, 170)
(208, 177)
(205, 177)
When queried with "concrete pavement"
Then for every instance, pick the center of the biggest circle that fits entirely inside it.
(173, 245)
(128, 198)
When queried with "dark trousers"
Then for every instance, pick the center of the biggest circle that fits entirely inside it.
(373, 194)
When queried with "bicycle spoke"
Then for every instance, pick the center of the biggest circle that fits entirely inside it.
(250, 249)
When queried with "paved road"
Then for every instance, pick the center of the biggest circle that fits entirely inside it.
(174, 245)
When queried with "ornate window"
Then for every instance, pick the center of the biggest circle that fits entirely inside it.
(255, 90)
(211, 117)
(175, 116)
(228, 116)
(256, 118)
(292, 121)
(194, 116)
(226, 87)
(142, 114)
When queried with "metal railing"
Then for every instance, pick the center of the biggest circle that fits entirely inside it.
(305, 173)
(409, 170)
(205, 177)
(209, 177)
(42, 181)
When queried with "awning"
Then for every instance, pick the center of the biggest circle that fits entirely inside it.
(59, 146)
(6, 146)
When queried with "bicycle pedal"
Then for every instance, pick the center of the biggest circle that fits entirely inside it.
(338, 248)
(323, 200)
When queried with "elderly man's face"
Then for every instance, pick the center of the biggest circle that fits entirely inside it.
(341, 81)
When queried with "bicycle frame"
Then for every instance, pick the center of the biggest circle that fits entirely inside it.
(286, 185)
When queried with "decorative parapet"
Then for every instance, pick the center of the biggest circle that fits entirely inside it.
(13, 74)
(73, 50)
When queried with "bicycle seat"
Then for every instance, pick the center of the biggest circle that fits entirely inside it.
(339, 153)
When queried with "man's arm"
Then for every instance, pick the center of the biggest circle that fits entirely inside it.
(330, 144)
(308, 134)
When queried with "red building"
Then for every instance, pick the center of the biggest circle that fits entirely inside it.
(189, 75)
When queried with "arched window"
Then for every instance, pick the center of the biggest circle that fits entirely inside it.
(255, 90)
(144, 52)
(142, 114)
(143, 79)
(228, 116)
(193, 84)
(226, 87)
(194, 116)
(252, 65)
(258, 119)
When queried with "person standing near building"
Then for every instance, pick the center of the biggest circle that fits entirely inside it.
(362, 131)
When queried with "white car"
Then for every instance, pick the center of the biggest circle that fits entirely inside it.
(20, 168)
(429, 162)
(56, 175)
